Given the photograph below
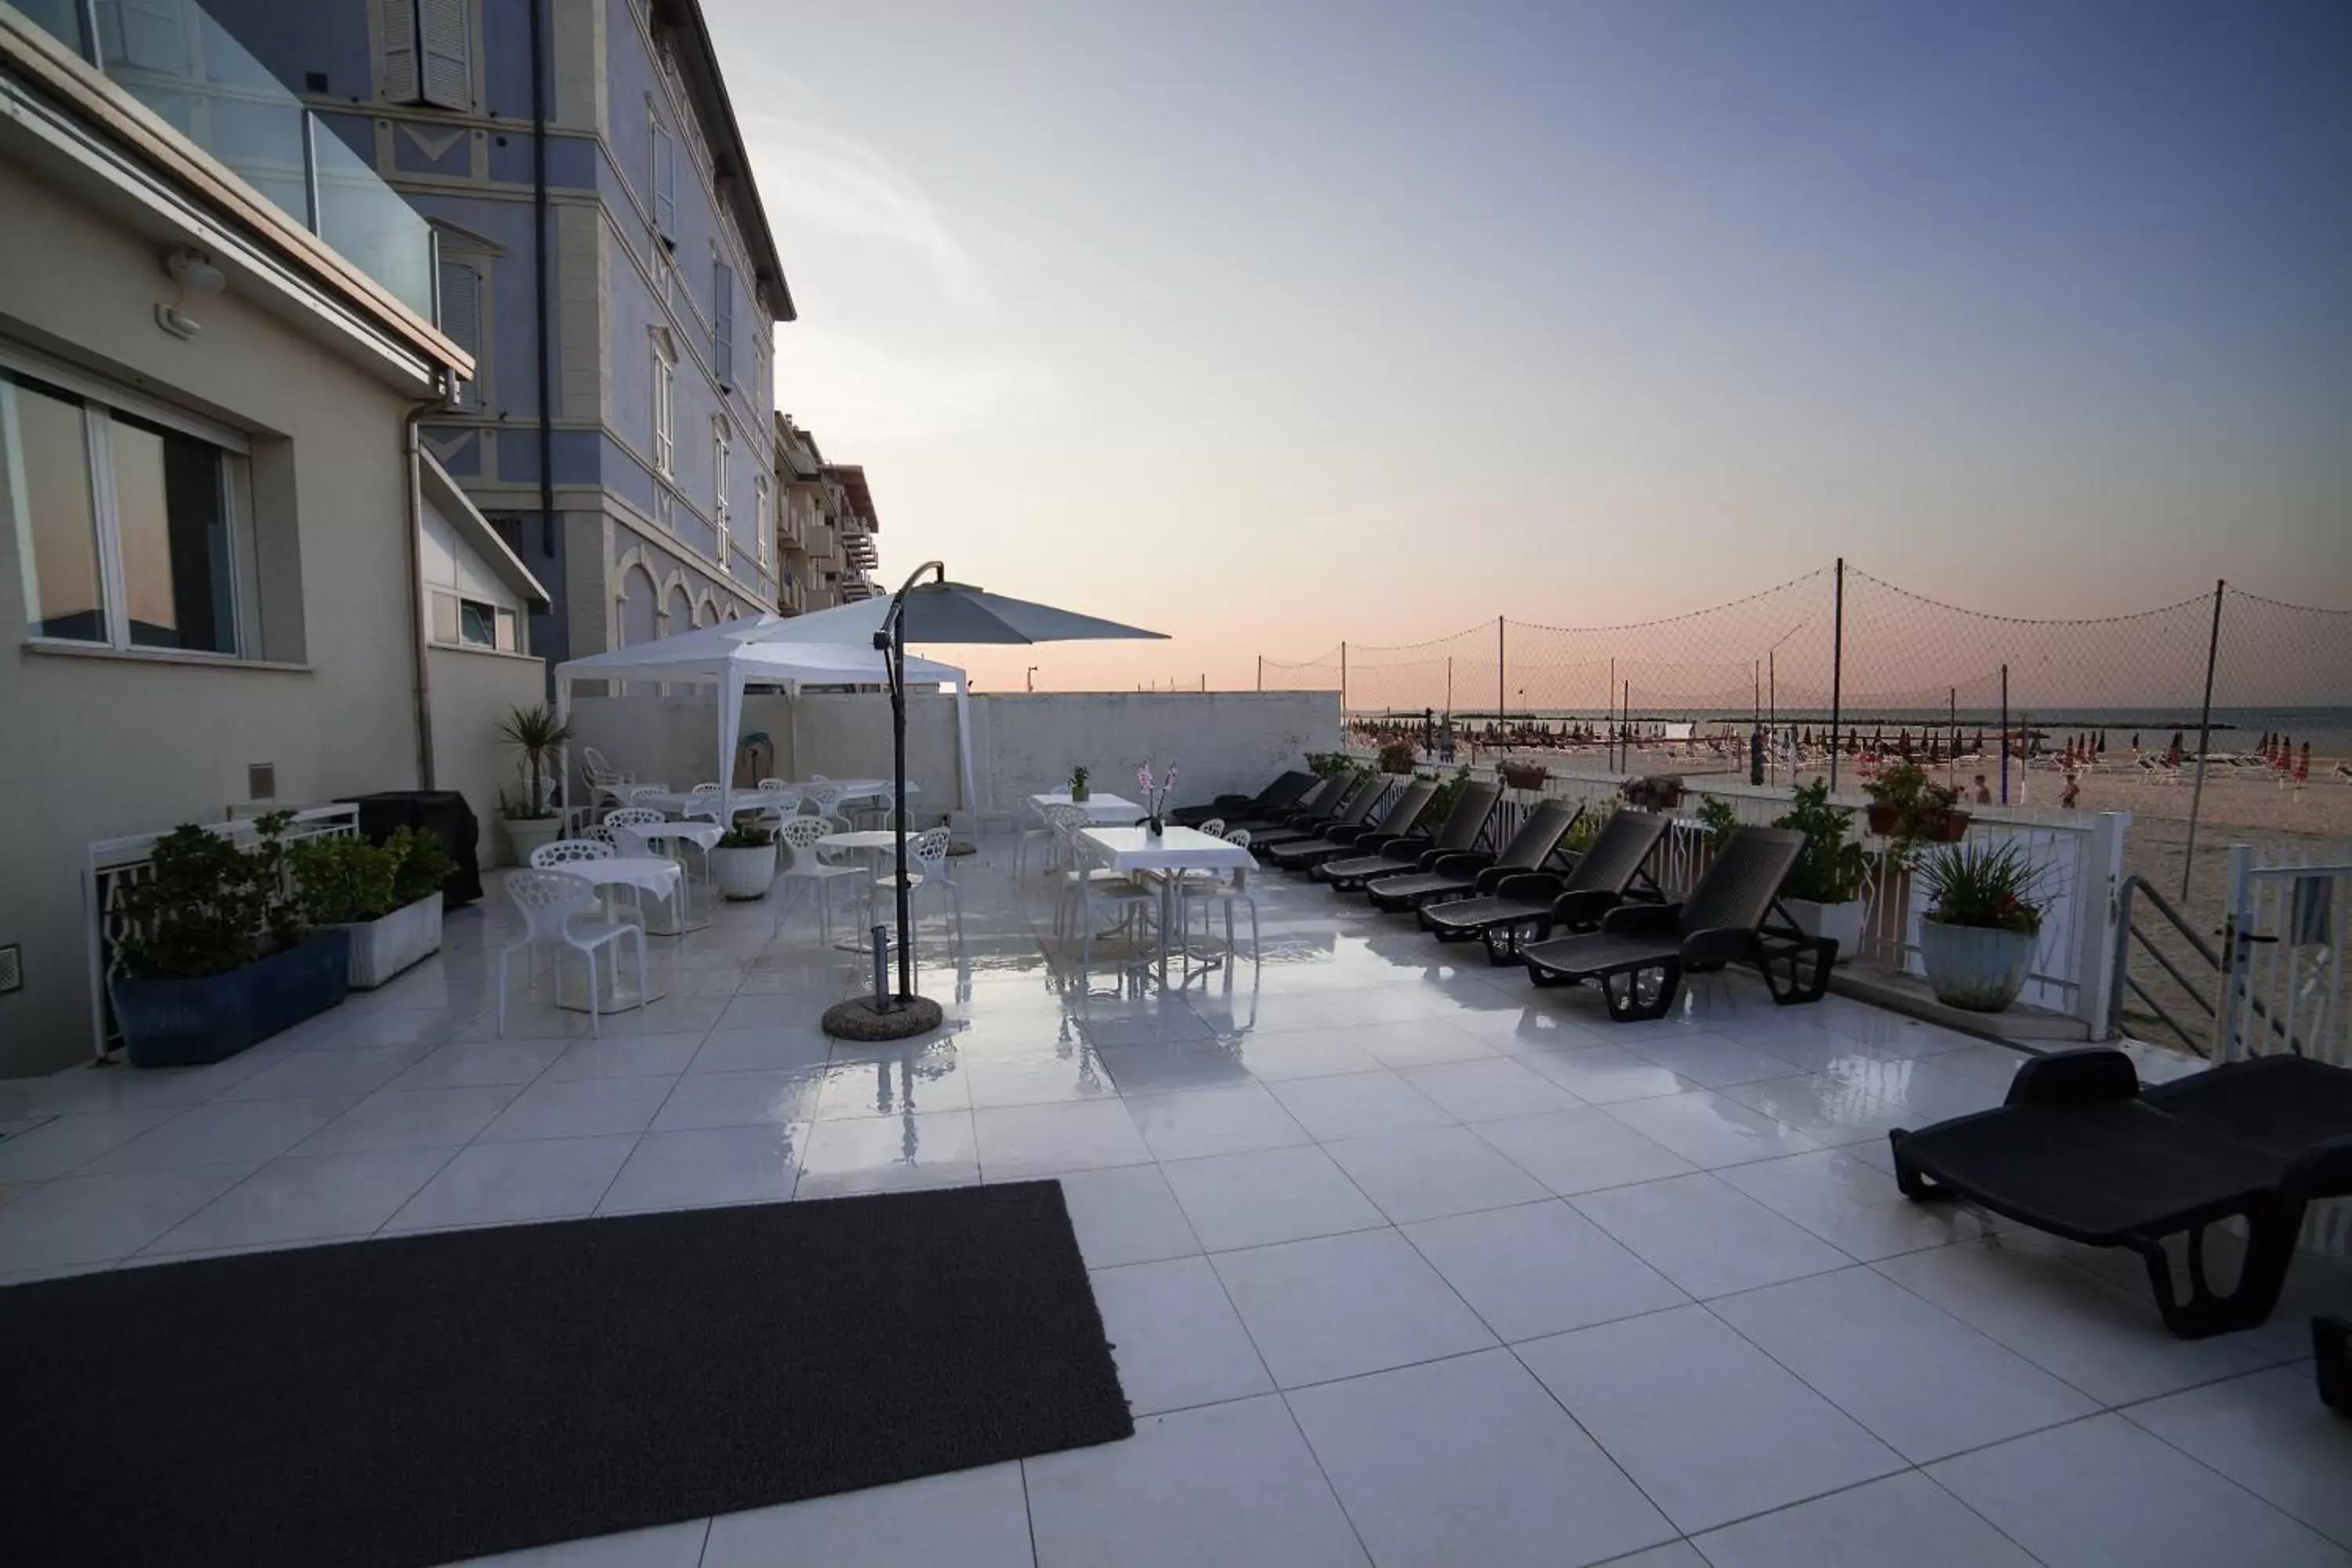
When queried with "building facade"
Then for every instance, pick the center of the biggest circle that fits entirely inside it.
(227, 550)
(602, 250)
(825, 525)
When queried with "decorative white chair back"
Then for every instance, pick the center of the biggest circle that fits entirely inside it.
(568, 849)
(547, 901)
(705, 789)
(827, 797)
(1215, 828)
(639, 792)
(786, 799)
(592, 764)
(636, 816)
(600, 834)
(928, 849)
(1239, 838)
(802, 834)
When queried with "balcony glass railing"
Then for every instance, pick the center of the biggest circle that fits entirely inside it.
(174, 58)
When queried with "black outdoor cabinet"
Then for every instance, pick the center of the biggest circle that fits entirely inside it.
(445, 812)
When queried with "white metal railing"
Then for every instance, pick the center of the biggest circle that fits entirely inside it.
(2284, 952)
(2079, 856)
(111, 867)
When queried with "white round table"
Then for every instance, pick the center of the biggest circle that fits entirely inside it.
(703, 836)
(876, 842)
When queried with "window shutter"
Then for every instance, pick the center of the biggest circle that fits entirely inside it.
(448, 35)
(395, 48)
(722, 324)
(664, 181)
(461, 320)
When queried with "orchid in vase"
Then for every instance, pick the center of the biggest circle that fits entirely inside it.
(1155, 797)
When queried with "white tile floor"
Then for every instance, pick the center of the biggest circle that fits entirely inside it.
(1405, 1261)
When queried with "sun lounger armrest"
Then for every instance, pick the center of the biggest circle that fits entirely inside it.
(2093, 1076)
(1643, 919)
(1534, 887)
(2323, 1170)
(1456, 863)
(1720, 944)
(1356, 834)
(1584, 909)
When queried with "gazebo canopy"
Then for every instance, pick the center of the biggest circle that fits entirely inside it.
(721, 655)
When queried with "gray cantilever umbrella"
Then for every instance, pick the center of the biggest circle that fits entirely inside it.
(939, 611)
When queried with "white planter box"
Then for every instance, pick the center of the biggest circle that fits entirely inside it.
(382, 948)
(1842, 922)
(744, 874)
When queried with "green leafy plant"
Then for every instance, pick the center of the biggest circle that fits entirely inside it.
(348, 881)
(1396, 757)
(424, 865)
(1583, 831)
(1323, 765)
(1910, 807)
(746, 835)
(209, 905)
(1833, 867)
(1719, 816)
(540, 735)
(1654, 792)
(1449, 790)
(1993, 886)
(1078, 777)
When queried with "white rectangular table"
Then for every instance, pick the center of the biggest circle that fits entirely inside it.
(1105, 808)
(1175, 850)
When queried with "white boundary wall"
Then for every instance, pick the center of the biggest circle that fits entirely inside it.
(1022, 743)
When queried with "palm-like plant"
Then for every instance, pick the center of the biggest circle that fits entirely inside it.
(539, 734)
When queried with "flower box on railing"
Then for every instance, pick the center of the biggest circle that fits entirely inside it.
(1525, 775)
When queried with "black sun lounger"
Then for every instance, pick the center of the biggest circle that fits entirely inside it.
(1281, 795)
(1321, 801)
(1406, 809)
(1354, 810)
(1638, 954)
(1467, 872)
(1526, 906)
(2082, 1150)
(1456, 835)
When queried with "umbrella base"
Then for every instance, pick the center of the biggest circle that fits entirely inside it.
(859, 1019)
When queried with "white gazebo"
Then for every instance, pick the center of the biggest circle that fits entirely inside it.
(730, 656)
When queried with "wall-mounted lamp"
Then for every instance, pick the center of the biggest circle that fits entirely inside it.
(194, 272)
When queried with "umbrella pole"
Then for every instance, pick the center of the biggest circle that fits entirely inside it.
(898, 806)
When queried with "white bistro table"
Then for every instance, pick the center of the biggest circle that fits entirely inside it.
(637, 842)
(876, 842)
(649, 873)
(1103, 808)
(1175, 852)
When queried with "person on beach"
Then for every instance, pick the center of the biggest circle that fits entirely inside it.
(1984, 791)
(2074, 791)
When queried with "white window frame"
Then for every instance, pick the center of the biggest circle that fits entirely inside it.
(721, 512)
(101, 401)
(763, 508)
(665, 407)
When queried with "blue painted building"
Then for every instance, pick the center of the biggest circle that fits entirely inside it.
(603, 252)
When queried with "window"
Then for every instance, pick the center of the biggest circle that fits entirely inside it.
(665, 179)
(763, 517)
(461, 320)
(719, 510)
(425, 52)
(132, 531)
(467, 605)
(664, 404)
(722, 324)
(473, 623)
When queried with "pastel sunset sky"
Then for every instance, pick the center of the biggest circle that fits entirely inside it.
(1271, 324)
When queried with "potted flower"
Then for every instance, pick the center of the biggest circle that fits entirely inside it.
(1908, 807)
(1079, 791)
(1982, 921)
(1155, 798)
(211, 956)
(1654, 792)
(1525, 775)
(744, 861)
(1823, 892)
(1396, 757)
(531, 820)
(386, 897)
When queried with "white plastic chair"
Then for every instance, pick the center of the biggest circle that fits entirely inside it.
(1084, 889)
(633, 816)
(878, 811)
(1229, 888)
(564, 851)
(799, 835)
(554, 905)
(624, 826)
(927, 866)
(827, 797)
(1059, 823)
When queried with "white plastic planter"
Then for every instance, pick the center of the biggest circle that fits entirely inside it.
(1976, 967)
(1842, 922)
(744, 874)
(382, 948)
(525, 834)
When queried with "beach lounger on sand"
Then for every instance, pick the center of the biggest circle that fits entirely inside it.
(1527, 905)
(1280, 795)
(1455, 834)
(1320, 801)
(2081, 1149)
(1641, 952)
(1354, 810)
(1472, 871)
(1467, 873)
(1406, 809)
